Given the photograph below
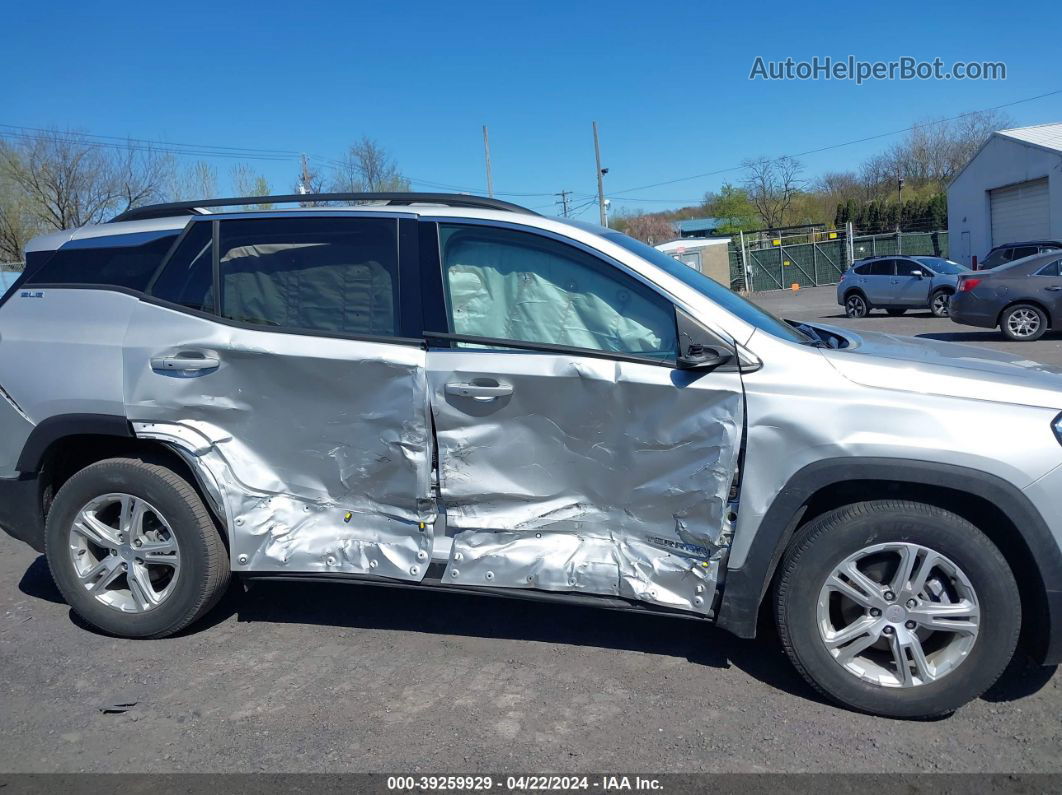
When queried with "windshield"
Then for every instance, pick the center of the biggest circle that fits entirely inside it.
(941, 265)
(723, 296)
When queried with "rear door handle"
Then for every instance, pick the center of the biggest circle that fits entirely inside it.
(184, 363)
(479, 391)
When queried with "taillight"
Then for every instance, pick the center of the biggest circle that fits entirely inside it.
(843, 275)
(968, 283)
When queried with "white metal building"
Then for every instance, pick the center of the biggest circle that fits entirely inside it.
(1010, 191)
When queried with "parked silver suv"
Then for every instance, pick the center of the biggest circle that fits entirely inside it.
(896, 284)
(455, 393)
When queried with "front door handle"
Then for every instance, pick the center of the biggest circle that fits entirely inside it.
(479, 391)
(1054, 289)
(184, 363)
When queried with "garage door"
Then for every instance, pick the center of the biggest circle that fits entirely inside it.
(1020, 212)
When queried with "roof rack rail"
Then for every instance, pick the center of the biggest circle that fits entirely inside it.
(200, 207)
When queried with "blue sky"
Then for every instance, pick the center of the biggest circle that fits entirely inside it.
(666, 82)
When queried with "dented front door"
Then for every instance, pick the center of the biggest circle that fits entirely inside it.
(591, 465)
(286, 383)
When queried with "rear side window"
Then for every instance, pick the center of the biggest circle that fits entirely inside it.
(882, 268)
(336, 275)
(1051, 269)
(188, 277)
(119, 261)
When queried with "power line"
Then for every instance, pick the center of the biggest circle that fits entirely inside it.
(128, 139)
(839, 145)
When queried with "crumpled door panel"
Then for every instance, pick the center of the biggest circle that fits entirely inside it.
(594, 475)
(319, 448)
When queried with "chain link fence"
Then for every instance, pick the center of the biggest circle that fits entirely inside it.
(818, 257)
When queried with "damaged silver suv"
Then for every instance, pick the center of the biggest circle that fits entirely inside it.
(455, 393)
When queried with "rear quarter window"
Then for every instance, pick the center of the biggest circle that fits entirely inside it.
(120, 261)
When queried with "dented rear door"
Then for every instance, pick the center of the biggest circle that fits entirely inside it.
(271, 353)
(573, 454)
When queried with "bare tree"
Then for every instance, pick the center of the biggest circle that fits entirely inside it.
(197, 181)
(248, 182)
(18, 224)
(68, 180)
(368, 167)
(772, 185)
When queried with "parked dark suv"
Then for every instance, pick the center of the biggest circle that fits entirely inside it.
(1009, 252)
(1023, 298)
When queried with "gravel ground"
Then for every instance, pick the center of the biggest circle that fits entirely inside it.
(350, 678)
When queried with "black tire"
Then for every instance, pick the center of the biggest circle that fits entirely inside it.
(827, 540)
(1010, 322)
(856, 305)
(204, 566)
(895, 312)
(940, 303)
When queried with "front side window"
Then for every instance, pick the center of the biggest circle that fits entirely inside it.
(904, 267)
(333, 275)
(997, 257)
(509, 285)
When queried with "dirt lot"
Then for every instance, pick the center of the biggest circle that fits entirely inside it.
(331, 678)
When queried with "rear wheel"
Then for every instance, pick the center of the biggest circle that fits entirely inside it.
(897, 608)
(133, 549)
(1023, 323)
(855, 305)
(895, 312)
(940, 303)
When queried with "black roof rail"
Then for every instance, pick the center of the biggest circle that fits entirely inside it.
(197, 207)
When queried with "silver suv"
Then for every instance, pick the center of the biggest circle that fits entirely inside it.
(896, 284)
(450, 392)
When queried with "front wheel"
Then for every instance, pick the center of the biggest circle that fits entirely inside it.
(897, 608)
(1023, 323)
(133, 549)
(940, 303)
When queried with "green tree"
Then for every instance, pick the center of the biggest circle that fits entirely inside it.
(732, 206)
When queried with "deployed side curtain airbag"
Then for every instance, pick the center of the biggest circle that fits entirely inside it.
(502, 289)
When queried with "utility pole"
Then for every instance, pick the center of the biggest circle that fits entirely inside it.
(564, 194)
(600, 178)
(486, 151)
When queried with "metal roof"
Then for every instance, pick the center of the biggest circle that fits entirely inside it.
(1047, 136)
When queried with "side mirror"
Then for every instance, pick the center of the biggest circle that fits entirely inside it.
(918, 274)
(698, 357)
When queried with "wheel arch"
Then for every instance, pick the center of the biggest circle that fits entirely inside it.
(996, 507)
(62, 445)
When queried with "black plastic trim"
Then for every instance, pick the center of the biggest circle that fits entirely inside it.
(54, 428)
(438, 584)
(21, 516)
(746, 585)
(393, 199)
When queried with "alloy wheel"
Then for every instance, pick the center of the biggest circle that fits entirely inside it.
(1023, 322)
(855, 306)
(898, 615)
(124, 553)
(941, 304)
